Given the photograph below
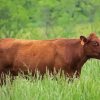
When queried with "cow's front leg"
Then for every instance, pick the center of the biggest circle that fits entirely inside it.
(69, 74)
(78, 71)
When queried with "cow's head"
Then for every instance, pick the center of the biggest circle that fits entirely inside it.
(91, 45)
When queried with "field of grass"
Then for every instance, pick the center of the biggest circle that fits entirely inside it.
(50, 88)
(50, 19)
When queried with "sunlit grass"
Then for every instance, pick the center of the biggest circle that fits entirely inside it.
(51, 88)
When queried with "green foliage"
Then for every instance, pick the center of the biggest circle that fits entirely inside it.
(70, 16)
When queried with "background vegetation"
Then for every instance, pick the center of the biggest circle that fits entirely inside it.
(42, 19)
(45, 19)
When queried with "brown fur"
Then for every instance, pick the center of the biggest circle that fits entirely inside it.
(65, 54)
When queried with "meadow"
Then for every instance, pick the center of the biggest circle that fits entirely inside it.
(87, 87)
(50, 19)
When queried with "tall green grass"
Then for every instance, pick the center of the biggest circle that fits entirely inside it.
(50, 88)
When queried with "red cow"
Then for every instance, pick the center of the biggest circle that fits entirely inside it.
(68, 55)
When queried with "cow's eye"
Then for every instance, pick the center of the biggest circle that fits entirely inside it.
(95, 43)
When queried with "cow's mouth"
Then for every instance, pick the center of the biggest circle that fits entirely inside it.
(98, 56)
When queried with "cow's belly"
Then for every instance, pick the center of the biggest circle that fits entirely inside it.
(34, 61)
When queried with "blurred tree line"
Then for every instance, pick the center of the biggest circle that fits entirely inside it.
(48, 18)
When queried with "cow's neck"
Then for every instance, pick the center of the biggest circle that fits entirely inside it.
(81, 55)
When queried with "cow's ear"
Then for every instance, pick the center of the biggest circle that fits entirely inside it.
(83, 40)
(92, 35)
